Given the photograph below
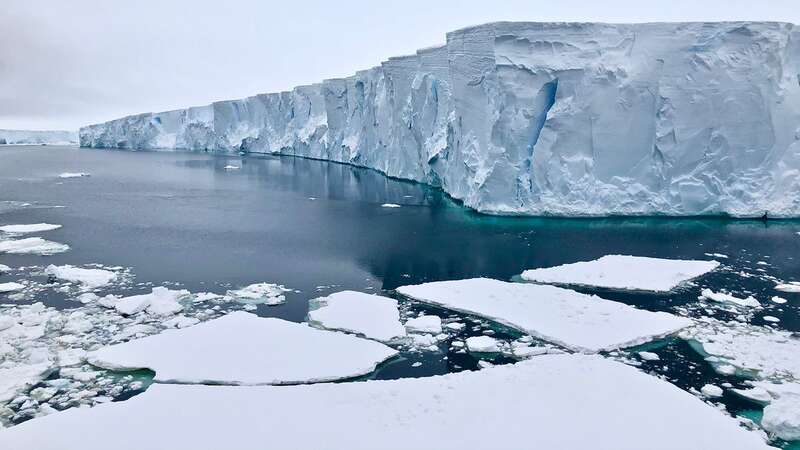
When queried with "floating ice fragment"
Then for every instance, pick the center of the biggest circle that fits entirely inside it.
(160, 302)
(793, 287)
(368, 315)
(241, 348)
(424, 324)
(782, 417)
(31, 228)
(4, 268)
(267, 293)
(756, 394)
(710, 390)
(483, 344)
(772, 319)
(32, 245)
(722, 297)
(231, 167)
(73, 175)
(624, 272)
(778, 300)
(649, 356)
(390, 205)
(88, 278)
(11, 287)
(576, 321)
(421, 413)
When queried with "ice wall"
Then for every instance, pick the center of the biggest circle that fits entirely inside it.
(542, 119)
(29, 137)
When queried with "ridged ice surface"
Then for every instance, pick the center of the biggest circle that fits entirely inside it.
(542, 118)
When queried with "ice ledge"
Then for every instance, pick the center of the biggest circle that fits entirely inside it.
(564, 119)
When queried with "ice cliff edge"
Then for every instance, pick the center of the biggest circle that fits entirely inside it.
(566, 119)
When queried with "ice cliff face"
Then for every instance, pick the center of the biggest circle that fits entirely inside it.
(38, 137)
(542, 118)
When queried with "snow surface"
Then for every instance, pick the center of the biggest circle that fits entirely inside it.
(624, 272)
(782, 417)
(542, 118)
(482, 344)
(576, 321)
(34, 245)
(244, 349)
(442, 412)
(371, 316)
(29, 228)
(88, 278)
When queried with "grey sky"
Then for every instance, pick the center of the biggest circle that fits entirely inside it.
(64, 64)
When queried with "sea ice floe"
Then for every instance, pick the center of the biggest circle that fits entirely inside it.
(778, 300)
(88, 278)
(782, 417)
(244, 349)
(371, 316)
(409, 413)
(29, 228)
(564, 317)
(424, 324)
(649, 356)
(624, 272)
(231, 167)
(483, 344)
(33, 245)
(160, 302)
(11, 287)
(4, 268)
(73, 175)
(722, 297)
(266, 293)
(390, 205)
(710, 390)
(793, 287)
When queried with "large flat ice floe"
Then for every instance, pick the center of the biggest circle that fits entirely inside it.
(624, 272)
(576, 321)
(371, 316)
(529, 118)
(88, 278)
(550, 402)
(244, 349)
(34, 245)
(29, 228)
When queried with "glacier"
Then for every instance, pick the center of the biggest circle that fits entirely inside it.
(36, 137)
(519, 118)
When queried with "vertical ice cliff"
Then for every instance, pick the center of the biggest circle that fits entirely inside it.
(542, 118)
(31, 137)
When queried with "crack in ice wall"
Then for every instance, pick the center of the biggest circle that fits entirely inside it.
(542, 119)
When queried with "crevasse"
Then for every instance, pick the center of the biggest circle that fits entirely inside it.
(572, 119)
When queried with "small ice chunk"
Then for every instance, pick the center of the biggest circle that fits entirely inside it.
(721, 297)
(793, 287)
(565, 317)
(29, 228)
(34, 245)
(88, 278)
(11, 287)
(455, 326)
(368, 315)
(160, 302)
(231, 167)
(624, 272)
(782, 417)
(424, 324)
(267, 293)
(483, 344)
(529, 352)
(390, 205)
(710, 390)
(772, 319)
(244, 349)
(649, 356)
(73, 175)
(756, 394)
(778, 300)
(4, 268)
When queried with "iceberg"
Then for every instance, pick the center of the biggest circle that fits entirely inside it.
(371, 316)
(624, 272)
(243, 349)
(570, 119)
(579, 322)
(442, 412)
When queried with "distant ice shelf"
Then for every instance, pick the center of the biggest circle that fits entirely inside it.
(37, 137)
(570, 119)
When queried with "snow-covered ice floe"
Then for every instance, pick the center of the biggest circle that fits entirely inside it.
(29, 228)
(244, 349)
(266, 293)
(88, 278)
(73, 175)
(624, 272)
(33, 245)
(390, 205)
(722, 297)
(576, 321)
(371, 316)
(792, 287)
(442, 412)
(11, 287)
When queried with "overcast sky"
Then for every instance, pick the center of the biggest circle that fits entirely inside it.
(67, 63)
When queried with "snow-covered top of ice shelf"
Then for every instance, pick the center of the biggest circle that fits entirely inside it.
(571, 119)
